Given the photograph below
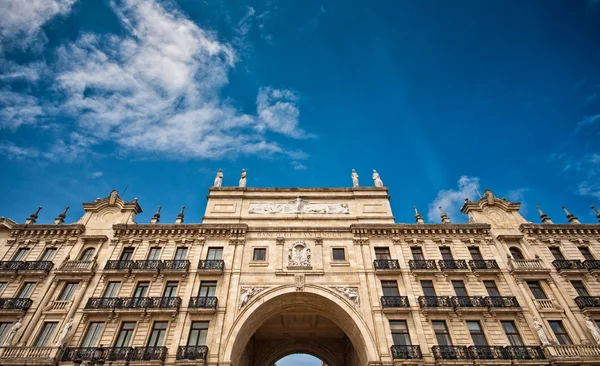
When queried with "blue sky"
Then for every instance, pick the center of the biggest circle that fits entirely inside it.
(443, 98)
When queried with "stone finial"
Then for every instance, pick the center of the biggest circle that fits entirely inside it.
(445, 218)
(179, 219)
(418, 217)
(156, 218)
(545, 218)
(572, 219)
(33, 217)
(61, 218)
(597, 213)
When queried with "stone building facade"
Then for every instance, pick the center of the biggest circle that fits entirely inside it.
(273, 271)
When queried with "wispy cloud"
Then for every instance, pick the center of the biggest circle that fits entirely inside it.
(95, 175)
(10, 150)
(452, 199)
(588, 122)
(518, 195)
(18, 109)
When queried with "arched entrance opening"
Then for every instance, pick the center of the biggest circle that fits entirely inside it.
(299, 359)
(316, 321)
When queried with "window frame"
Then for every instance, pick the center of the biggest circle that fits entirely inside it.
(154, 253)
(582, 287)
(178, 250)
(510, 335)
(557, 253)
(432, 287)
(169, 287)
(68, 289)
(140, 285)
(479, 333)
(477, 251)
(158, 336)
(127, 251)
(256, 250)
(389, 284)
(538, 285)
(199, 333)
(85, 341)
(338, 249)
(419, 255)
(446, 253)
(382, 253)
(128, 333)
(586, 253)
(214, 250)
(462, 287)
(109, 286)
(50, 252)
(18, 256)
(45, 334)
(562, 336)
(494, 288)
(446, 333)
(85, 252)
(398, 333)
(19, 294)
(519, 253)
(207, 285)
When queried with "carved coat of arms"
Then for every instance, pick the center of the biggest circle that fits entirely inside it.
(299, 255)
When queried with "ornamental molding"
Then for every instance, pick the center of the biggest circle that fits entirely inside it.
(299, 206)
(350, 293)
(180, 231)
(247, 293)
(421, 230)
(47, 231)
(565, 231)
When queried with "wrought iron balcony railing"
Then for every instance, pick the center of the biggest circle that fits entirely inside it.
(192, 353)
(484, 265)
(569, 265)
(386, 264)
(502, 302)
(15, 303)
(469, 302)
(406, 352)
(525, 352)
(203, 302)
(175, 265)
(118, 265)
(97, 353)
(592, 265)
(45, 266)
(394, 301)
(451, 353)
(95, 303)
(488, 353)
(146, 265)
(148, 354)
(587, 302)
(417, 264)
(435, 302)
(453, 265)
(211, 265)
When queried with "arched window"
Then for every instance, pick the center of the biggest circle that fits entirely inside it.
(516, 253)
(88, 254)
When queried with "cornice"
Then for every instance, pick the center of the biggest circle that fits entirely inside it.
(564, 230)
(47, 231)
(375, 230)
(179, 230)
(267, 189)
(7, 223)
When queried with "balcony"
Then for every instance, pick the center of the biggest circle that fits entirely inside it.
(469, 302)
(203, 304)
(390, 266)
(484, 266)
(175, 266)
(20, 304)
(115, 353)
(29, 266)
(451, 353)
(118, 265)
(576, 353)
(569, 266)
(422, 265)
(588, 302)
(211, 266)
(406, 352)
(192, 353)
(61, 306)
(133, 303)
(503, 303)
(525, 267)
(148, 354)
(28, 355)
(592, 265)
(77, 267)
(525, 352)
(435, 302)
(394, 302)
(453, 265)
(489, 353)
(547, 305)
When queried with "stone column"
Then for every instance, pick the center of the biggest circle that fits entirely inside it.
(530, 305)
(38, 313)
(318, 254)
(279, 250)
(563, 303)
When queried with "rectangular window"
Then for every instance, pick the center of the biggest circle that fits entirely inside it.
(112, 289)
(26, 290)
(198, 333)
(559, 332)
(154, 254)
(92, 336)
(490, 286)
(260, 254)
(514, 338)
(45, 336)
(417, 253)
(585, 251)
(4, 329)
(127, 254)
(207, 288)
(171, 289)
(48, 254)
(157, 336)
(459, 288)
(125, 334)
(141, 290)
(181, 253)
(214, 254)
(446, 253)
(428, 289)
(400, 335)
(477, 333)
(475, 253)
(390, 288)
(382, 254)
(21, 254)
(339, 254)
(2, 287)
(536, 290)
(68, 290)
(580, 288)
(441, 333)
(556, 253)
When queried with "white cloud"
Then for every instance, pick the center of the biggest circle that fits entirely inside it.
(298, 165)
(18, 109)
(96, 175)
(15, 152)
(156, 90)
(587, 122)
(518, 195)
(586, 188)
(452, 200)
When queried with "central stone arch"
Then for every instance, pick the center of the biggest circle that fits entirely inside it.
(254, 341)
